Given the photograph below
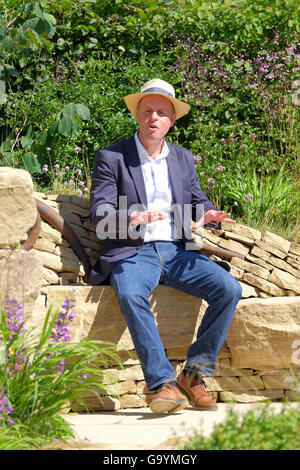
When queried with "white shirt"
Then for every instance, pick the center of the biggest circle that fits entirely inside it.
(158, 191)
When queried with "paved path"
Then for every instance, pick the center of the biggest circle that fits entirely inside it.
(140, 429)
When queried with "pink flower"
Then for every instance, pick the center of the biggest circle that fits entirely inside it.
(77, 149)
(235, 203)
(221, 168)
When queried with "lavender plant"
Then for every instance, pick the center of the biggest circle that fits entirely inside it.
(42, 374)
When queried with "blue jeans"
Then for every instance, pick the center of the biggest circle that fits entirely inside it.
(164, 262)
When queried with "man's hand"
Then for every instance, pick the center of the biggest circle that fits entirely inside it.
(146, 217)
(212, 215)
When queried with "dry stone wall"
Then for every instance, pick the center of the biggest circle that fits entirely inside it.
(261, 356)
(256, 361)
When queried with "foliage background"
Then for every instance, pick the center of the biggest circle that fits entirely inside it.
(66, 65)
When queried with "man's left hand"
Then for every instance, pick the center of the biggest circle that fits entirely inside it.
(211, 215)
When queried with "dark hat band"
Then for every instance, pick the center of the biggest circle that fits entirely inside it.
(157, 90)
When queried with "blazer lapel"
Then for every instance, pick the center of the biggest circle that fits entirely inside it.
(135, 169)
(174, 172)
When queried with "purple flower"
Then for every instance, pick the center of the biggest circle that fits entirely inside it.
(235, 203)
(67, 168)
(60, 330)
(211, 181)
(56, 166)
(48, 149)
(77, 149)
(79, 192)
(197, 159)
(14, 316)
(221, 168)
(248, 196)
(78, 171)
(45, 168)
(5, 409)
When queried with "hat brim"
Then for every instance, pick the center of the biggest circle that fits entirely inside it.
(133, 100)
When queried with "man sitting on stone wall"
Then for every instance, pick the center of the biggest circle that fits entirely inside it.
(144, 194)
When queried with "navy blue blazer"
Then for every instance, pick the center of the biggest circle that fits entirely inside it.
(117, 172)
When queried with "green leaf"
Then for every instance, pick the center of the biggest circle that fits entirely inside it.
(30, 163)
(83, 111)
(7, 44)
(65, 126)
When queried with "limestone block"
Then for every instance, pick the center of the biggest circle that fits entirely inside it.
(21, 275)
(275, 382)
(293, 262)
(285, 266)
(262, 284)
(43, 244)
(17, 205)
(236, 272)
(50, 233)
(133, 401)
(262, 332)
(221, 383)
(285, 280)
(97, 315)
(253, 382)
(247, 290)
(210, 236)
(234, 246)
(251, 396)
(270, 249)
(80, 201)
(295, 248)
(250, 267)
(260, 253)
(248, 232)
(121, 388)
(96, 403)
(275, 240)
(128, 373)
(259, 261)
(239, 238)
(50, 276)
(60, 264)
(69, 216)
(74, 208)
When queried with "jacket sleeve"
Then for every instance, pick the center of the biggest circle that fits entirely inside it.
(104, 199)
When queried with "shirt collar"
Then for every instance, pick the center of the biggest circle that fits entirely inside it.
(143, 154)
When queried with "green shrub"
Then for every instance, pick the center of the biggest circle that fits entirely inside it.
(260, 429)
(42, 374)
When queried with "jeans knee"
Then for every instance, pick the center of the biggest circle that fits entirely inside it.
(235, 290)
(230, 289)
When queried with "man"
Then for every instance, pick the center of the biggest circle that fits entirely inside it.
(140, 190)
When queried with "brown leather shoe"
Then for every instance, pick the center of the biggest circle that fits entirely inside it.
(168, 400)
(194, 389)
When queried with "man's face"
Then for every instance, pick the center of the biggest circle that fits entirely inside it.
(155, 115)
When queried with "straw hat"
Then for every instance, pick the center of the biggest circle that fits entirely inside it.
(157, 87)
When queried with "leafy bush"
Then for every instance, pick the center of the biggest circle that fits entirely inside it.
(42, 374)
(260, 429)
(64, 72)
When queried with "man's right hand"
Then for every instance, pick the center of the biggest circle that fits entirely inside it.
(146, 217)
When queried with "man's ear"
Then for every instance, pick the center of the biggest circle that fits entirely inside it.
(173, 119)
